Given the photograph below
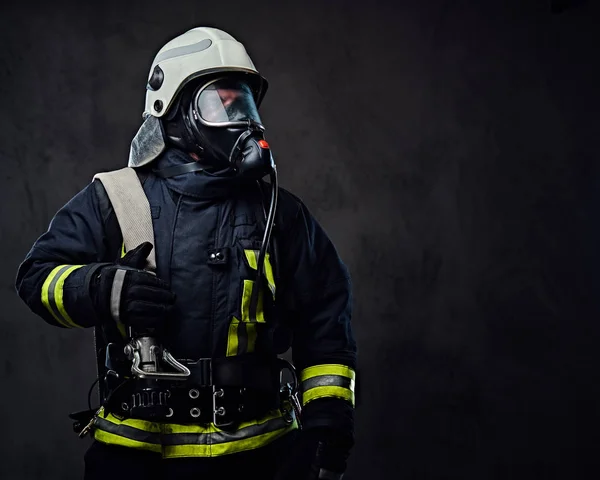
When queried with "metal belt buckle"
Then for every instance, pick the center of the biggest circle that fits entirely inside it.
(219, 411)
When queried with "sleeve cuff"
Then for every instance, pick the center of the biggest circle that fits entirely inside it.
(328, 381)
(65, 294)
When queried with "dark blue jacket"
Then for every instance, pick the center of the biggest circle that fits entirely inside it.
(193, 216)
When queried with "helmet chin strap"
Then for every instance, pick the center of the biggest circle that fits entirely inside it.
(179, 170)
(196, 166)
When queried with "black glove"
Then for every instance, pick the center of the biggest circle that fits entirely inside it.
(138, 298)
(318, 453)
(331, 454)
(329, 422)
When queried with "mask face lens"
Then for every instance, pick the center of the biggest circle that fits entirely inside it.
(227, 100)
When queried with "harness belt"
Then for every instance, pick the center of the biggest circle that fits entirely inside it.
(225, 391)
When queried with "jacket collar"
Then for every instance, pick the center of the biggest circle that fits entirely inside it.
(199, 184)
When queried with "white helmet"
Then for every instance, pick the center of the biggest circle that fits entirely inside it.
(198, 52)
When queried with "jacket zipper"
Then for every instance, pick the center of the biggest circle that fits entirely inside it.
(214, 283)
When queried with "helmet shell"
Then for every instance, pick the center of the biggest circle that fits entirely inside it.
(201, 51)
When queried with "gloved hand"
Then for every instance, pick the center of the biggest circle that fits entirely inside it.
(125, 292)
(318, 453)
(331, 454)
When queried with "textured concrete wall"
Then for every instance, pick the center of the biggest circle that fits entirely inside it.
(449, 149)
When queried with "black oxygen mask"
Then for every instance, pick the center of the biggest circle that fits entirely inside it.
(223, 119)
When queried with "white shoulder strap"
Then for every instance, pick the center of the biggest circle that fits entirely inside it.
(131, 207)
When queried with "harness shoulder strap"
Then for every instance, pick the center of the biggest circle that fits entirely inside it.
(131, 206)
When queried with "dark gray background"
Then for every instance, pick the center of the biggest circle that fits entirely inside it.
(448, 147)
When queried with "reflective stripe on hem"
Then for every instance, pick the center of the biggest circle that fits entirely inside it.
(129, 432)
(113, 439)
(189, 440)
(227, 448)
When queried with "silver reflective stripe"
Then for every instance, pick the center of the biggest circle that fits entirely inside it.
(214, 438)
(115, 293)
(185, 50)
(127, 431)
(328, 381)
(52, 288)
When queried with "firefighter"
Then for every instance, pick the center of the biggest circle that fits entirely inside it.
(242, 273)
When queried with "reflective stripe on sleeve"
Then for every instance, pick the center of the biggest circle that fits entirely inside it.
(328, 380)
(53, 295)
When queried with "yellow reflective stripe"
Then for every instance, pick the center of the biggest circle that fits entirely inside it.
(52, 294)
(46, 293)
(123, 250)
(201, 440)
(232, 338)
(246, 295)
(174, 451)
(252, 257)
(327, 369)
(190, 428)
(196, 440)
(269, 274)
(58, 296)
(328, 380)
(328, 391)
(146, 426)
(112, 439)
(197, 429)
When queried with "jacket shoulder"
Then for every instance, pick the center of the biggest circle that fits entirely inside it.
(288, 204)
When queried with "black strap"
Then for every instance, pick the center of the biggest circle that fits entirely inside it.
(179, 170)
(249, 371)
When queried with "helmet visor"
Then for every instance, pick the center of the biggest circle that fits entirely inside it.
(226, 101)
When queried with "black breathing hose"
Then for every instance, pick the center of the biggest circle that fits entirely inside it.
(264, 246)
